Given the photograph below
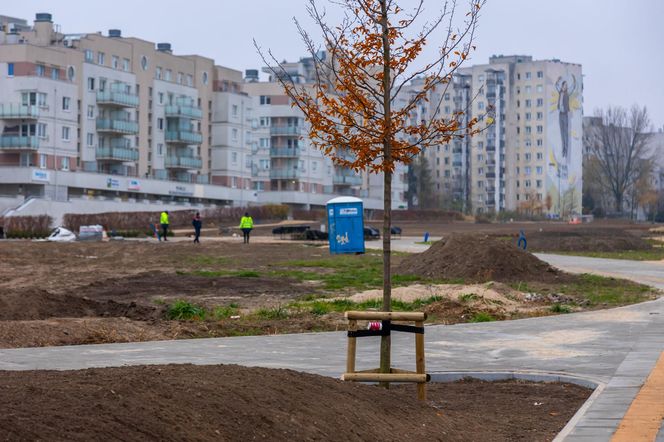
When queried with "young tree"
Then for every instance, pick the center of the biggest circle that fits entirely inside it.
(617, 145)
(372, 55)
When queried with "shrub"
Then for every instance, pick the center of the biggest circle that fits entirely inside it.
(27, 226)
(226, 311)
(482, 317)
(560, 308)
(272, 313)
(184, 311)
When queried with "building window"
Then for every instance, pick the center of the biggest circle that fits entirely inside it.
(528, 129)
(179, 78)
(101, 58)
(540, 74)
(264, 164)
(234, 134)
(234, 157)
(234, 110)
(160, 123)
(539, 170)
(529, 103)
(480, 105)
(264, 143)
(265, 121)
(161, 98)
(91, 139)
(41, 130)
(55, 73)
(527, 75)
(528, 90)
(518, 76)
(528, 116)
(540, 129)
(91, 84)
(89, 55)
(205, 78)
(540, 88)
(115, 61)
(71, 73)
(264, 99)
(480, 171)
(540, 155)
(447, 96)
(527, 171)
(10, 69)
(528, 142)
(540, 102)
(40, 70)
(169, 75)
(160, 149)
(65, 133)
(66, 102)
(540, 115)
(91, 112)
(42, 161)
(65, 163)
(528, 156)
(190, 80)
(158, 73)
(144, 63)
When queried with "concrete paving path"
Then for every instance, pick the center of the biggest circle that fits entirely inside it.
(617, 348)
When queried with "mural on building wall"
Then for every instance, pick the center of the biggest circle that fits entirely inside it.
(564, 140)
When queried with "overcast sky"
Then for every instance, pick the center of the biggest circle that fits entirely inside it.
(620, 43)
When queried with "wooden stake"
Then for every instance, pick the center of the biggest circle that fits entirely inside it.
(385, 377)
(419, 361)
(352, 347)
(385, 316)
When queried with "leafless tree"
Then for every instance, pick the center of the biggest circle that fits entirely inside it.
(617, 146)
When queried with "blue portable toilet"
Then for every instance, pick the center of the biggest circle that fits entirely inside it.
(345, 223)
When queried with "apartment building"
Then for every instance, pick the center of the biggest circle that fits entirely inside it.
(528, 156)
(87, 119)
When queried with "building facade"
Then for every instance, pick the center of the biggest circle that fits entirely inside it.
(528, 157)
(92, 117)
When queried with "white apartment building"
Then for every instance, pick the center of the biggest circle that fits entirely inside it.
(92, 122)
(529, 158)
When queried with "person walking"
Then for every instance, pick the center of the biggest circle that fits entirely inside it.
(246, 224)
(197, 223)
(163, 220)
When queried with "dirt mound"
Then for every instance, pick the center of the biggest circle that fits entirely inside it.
(34, 304)
(233, 403)
(477, 258)
(586, 239)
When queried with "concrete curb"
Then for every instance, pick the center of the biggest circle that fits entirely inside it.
(533, 376)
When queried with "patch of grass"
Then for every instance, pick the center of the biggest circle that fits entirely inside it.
(424, 243)
(159, 301)
(225, 311)
(320, 308)
(468, 297)
(278, 312)
(186, 311)
(247, 274)
(654, 254)
(482, 317)
(560, 308)
(600, 290)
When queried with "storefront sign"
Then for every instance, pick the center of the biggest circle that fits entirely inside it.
(134, 185)
(40, 175)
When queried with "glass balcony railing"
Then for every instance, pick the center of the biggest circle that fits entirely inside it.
(117, 154)
(184, 137)
(285, 174)
(351, 180)
(18, 111)
(117, 98)
(285, 152)
(117, 126)
(286, 130)
(183, 162)
(18, 142)
(181, 111)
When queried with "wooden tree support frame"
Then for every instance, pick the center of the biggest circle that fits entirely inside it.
(395, 375)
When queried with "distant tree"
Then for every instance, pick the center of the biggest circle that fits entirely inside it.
(616, 147)
(372, 55)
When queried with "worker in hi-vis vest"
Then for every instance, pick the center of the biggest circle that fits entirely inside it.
(246, 224)
(163, 220)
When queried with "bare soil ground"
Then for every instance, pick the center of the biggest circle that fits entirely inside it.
(82, 293)
(185, 402)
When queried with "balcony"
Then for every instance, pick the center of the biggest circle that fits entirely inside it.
(18, 143)
(285, 174)
(183, 137)
(183, 162)
(18, 112)
(349, 180)
(491, 148)
(123, 127)
(122, 154)
(117, 99)
(285, 152)
(456, 150)
(491, 174)
(457, 163)
(287, 130)
(490, 202)
(182, 111)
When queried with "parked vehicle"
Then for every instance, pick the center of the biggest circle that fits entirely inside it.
(371, 233)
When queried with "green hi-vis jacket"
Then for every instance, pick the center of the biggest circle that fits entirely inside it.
(164, 218)
(246, 223)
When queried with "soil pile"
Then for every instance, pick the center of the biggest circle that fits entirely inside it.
(586, 239)
(233, 403)
(478, 258)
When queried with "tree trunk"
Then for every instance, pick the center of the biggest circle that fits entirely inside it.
(385, 341)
